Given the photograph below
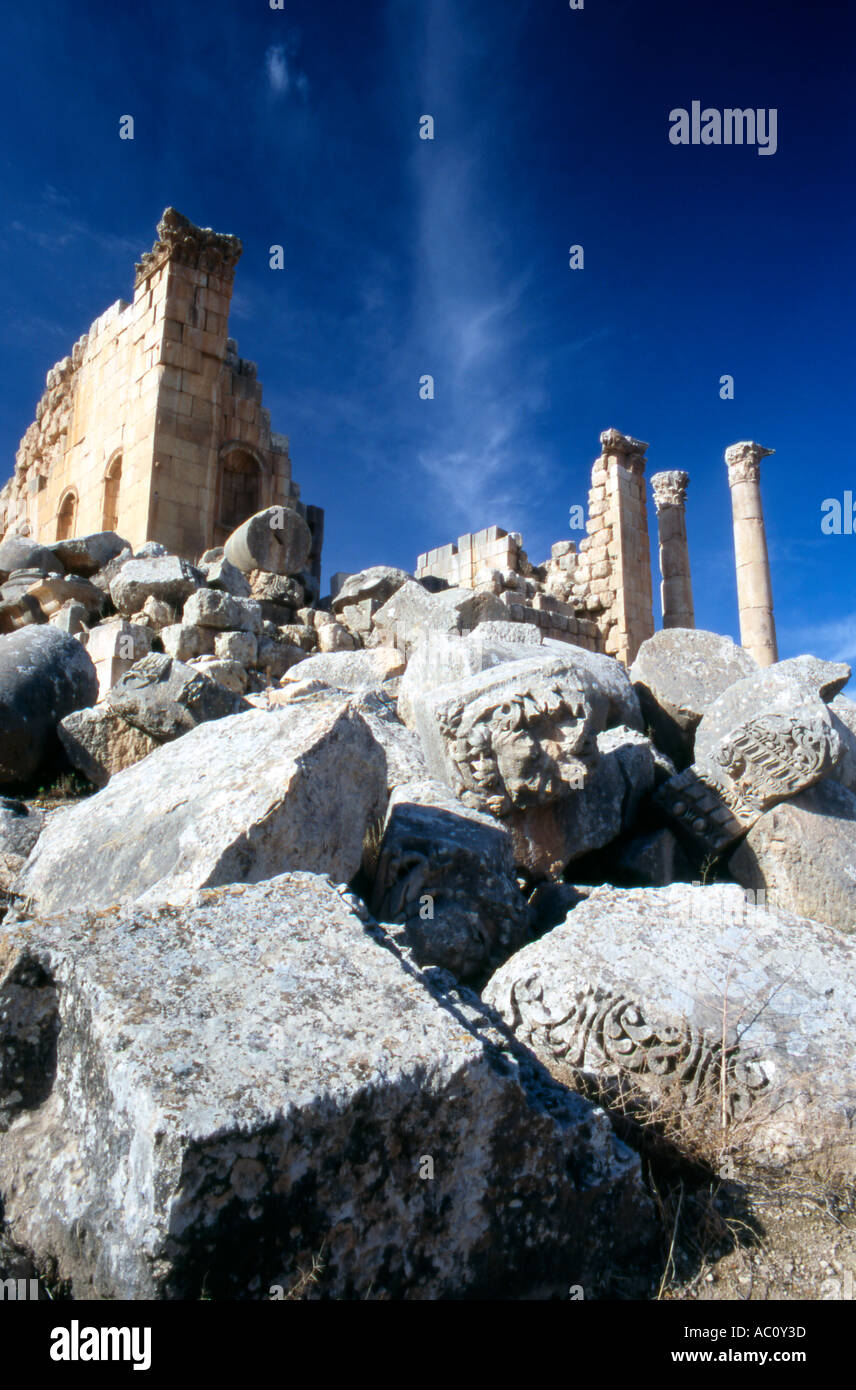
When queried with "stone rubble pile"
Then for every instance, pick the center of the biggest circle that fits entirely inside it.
(238, 983)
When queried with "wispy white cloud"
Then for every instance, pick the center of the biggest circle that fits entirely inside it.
(283, 71)
(472, 329)
(277, 69)
(834, 640)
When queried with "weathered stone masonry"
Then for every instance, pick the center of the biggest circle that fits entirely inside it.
(599, 597)
(154, 426)
(613, 577)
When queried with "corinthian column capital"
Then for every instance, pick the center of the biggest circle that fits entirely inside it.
(670, 488)
(744, 462)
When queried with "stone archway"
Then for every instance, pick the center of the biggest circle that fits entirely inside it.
(66, 520)
(240, 489)
(112, 484)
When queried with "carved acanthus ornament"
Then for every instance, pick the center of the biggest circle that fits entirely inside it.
(597, 1027)
(744, 462)
(670, 488)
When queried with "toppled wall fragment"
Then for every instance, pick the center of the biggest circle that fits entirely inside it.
(696, 998)
(265, 1083)
(235, 800)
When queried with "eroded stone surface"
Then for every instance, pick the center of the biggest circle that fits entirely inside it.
(98, 742)
(803, 854)
(20, 826)
(379, 583)
(591, 813)
(162, 576)
(165, 698)
(763, 740)
(235, 800)
(686, 990)
(351, 670)
(216, 609)
(44, 675)
(264, 1081)
(86, 555)
(447, 874)
(787, 688)
(677, 674)
(516, 735)
(412, 610)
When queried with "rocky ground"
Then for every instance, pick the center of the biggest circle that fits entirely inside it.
(380, 948)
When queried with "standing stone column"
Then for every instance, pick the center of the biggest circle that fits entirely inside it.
(676, 590)
(754, 590)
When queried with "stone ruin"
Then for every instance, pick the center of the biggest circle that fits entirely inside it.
(153, 426)
(599, 596)
(368, 884)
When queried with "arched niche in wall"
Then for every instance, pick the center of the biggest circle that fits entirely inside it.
(240, 487)
(66, 518)
(112, 485)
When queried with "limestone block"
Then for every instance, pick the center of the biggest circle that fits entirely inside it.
(20, 827)
(592, 811)
(229, 674)
(71, 618)
(698, 999)
(220, 574)
(86, 555)
(242, 647)
(276, 592)
(771, 700)
(677, 674)
(357, 617)
(351, 670)
(511, 736)
(446, 873)
(44, 675)
(22, 611)
(412, 610)
(843, 713)
(300, 635)
(114, 646)
(54, 591)
(310, 1048)
(166, 698)
(803, 854)
(214, 609)
(335, 637)
(161, 576)
(157, 613)
(277, 655)
(234, 800)
(379, 583)
(22, 553)
(98, 742)
(184, 641)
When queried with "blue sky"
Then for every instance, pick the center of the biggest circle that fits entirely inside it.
(450, 257)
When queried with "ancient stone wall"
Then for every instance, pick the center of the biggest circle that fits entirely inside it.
(460, 562)
(154, 426)
(494, 559)
(600, 597)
